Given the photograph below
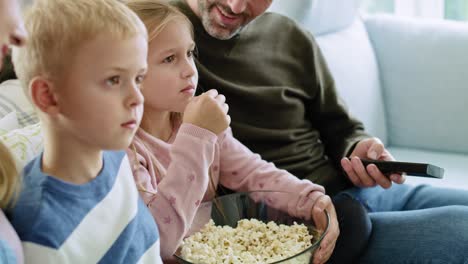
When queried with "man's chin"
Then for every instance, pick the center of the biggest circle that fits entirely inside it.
(220, 32)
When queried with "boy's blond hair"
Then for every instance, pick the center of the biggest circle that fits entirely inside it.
(57, 28)
(156, 14)
(9, 179)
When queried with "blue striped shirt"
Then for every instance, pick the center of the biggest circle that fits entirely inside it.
(102, 221)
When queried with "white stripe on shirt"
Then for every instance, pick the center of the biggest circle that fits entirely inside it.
(152, 255)
(93, 237)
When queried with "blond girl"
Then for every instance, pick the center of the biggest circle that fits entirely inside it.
(179, 164)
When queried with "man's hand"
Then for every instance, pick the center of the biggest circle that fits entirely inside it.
(328, 243)
(369, 176)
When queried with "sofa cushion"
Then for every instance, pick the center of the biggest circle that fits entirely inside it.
(8, 123)
(319, 16)
(24, 143)
(423, 69)
(351, 59)
(326, 16)
(12, 98)
(295, 10)
(455, 165)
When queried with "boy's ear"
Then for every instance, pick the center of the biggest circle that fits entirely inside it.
(43, 95)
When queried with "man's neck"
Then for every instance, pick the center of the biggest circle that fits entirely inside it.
(70, 160)
(157, 123)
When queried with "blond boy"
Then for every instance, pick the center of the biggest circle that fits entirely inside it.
(82, 69)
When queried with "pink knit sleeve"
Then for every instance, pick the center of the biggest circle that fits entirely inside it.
(242, 170)
(176, 197)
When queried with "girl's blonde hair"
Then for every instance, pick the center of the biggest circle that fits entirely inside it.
(9, 180)
(156, 14)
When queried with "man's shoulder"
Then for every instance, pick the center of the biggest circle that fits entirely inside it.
(276, 21)
(277, 26)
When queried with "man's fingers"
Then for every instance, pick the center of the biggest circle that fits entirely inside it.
(358, 167)
(398, 178)
(348, 168)
(381, 179)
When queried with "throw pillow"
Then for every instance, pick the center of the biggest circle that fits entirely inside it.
(24, 143)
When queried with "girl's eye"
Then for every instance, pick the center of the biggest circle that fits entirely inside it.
(139, 79)
(115, 80)
(169, 59)
(191, 53)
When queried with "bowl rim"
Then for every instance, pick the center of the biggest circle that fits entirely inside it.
(319, 240)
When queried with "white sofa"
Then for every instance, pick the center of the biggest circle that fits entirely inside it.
(406, 79)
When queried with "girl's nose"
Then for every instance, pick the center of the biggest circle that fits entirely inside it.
(189, 70)
(18, 37)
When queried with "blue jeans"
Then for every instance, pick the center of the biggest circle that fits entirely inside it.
(415, 224)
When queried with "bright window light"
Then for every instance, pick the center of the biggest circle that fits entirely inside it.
(436, 9)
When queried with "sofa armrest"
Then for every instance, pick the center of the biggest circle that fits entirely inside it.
(423, 66)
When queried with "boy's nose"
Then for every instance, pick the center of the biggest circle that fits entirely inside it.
(136, 97)
(237, 6)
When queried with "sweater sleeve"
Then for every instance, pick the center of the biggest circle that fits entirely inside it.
(242, 170)
(339, 130)
(174, 200)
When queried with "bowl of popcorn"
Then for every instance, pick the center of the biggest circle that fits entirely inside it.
(255, 227)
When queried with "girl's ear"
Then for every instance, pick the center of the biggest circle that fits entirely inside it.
(43, 95)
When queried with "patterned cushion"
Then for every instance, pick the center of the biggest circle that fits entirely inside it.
(8, 123)
(24, 143)
(12, 99)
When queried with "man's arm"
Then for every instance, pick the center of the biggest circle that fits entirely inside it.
(343, 136)
(339, 131)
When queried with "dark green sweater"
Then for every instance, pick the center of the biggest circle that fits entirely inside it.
(282, 97)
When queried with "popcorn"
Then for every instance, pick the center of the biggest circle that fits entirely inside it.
(252, 242)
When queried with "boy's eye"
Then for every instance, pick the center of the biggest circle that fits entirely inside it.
(114, 80)
(169, 59)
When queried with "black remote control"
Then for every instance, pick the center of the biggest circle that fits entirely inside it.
(410, 168)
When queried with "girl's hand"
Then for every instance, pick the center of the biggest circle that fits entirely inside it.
(323, 253)
(208, 111)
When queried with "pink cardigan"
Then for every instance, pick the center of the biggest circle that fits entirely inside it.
(175, 187)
